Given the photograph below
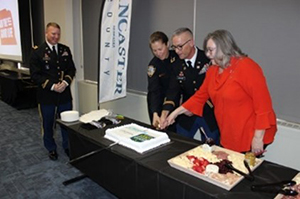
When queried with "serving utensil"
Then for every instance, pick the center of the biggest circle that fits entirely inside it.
(247, 176)
(208, 140)
(248, 167)
(282, 187)
(288, 192)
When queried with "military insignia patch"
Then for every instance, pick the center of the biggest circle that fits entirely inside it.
(172, 59)
(65, 54)
(46, 57)
(204, 69)
(181, 77)
(151, 70)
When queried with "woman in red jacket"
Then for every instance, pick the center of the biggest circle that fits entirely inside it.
(237, 87)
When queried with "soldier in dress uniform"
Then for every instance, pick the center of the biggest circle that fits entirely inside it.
(52, 69)
(189, 73)
(159, 71)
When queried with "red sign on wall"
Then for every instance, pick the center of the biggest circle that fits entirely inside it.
(7, 33)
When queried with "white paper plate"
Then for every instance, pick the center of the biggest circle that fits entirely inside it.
(69, 116)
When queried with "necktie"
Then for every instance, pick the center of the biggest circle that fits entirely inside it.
(54, 51)
(189, 64)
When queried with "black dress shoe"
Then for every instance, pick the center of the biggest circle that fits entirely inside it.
(67, 152)
(53, 155)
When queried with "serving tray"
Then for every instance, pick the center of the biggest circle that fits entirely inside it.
(237, 158)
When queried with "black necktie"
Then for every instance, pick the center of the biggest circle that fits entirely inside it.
(189, 64)
(54, 52)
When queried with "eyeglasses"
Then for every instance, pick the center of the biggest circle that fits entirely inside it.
(209, 50)
(179, 47)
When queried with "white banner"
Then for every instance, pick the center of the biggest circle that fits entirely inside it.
(115, 32)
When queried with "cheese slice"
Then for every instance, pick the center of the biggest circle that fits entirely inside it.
(211, 168)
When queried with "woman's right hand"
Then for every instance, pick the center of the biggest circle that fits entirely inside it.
(180, 110)
(171, 118)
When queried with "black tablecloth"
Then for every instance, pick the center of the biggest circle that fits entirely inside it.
(128, 174)
(17, 90)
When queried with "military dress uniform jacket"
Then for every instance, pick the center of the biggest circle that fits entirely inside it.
(46, 69)
(159, 72)
(184, 82)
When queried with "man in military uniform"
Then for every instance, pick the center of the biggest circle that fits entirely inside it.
(52, 69)
(159, 71)
(189, 73)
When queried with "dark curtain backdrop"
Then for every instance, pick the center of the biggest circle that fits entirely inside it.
(31, 14)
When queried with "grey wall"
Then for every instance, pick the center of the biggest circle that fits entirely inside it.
(91, 10)
(267, 30)
(149, 16)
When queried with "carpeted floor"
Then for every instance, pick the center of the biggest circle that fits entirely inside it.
(25, 169)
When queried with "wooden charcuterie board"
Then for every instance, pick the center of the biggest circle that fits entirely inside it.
(182, 163)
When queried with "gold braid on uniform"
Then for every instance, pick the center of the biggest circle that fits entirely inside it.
(62, 76)
(209, 104)
(68, 76)
(45, 83)
(169, 102)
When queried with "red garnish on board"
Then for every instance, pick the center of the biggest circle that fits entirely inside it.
(191, 157)
(199, 164)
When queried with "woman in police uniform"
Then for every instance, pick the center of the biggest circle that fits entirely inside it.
(159, 71)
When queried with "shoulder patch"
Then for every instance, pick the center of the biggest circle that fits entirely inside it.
(151, 70)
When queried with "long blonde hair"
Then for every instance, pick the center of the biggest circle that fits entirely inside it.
(226, 46)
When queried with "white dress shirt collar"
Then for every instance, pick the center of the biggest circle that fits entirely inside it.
(51, 46)
(193, 59)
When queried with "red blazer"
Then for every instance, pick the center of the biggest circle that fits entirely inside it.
(242, 103)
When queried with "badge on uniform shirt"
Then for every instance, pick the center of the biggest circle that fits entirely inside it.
(151, 70)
